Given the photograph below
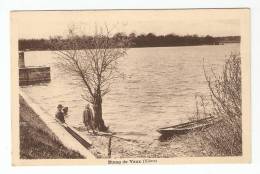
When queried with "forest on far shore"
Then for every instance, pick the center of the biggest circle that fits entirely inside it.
(142, 40)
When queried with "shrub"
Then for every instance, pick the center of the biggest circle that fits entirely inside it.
(225, 98)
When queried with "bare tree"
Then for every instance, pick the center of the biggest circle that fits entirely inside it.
(94, 60)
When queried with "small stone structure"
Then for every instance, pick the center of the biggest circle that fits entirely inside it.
(32, 74)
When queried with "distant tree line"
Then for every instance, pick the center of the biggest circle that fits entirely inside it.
(229, 39)
(142, 40)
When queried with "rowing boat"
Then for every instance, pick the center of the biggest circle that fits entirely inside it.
(186, 127)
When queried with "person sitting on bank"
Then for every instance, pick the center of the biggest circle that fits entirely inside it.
(65, 111)
(88, 118)
(59, 114)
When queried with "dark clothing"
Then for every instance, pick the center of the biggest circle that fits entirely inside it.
(88, 118)
(60, 116)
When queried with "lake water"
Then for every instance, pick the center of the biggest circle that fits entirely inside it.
(157, 90)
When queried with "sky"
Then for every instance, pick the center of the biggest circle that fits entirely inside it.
(43, 24)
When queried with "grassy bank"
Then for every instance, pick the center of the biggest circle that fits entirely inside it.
(37, 141)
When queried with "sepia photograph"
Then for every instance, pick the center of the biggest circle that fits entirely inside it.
(130, 86)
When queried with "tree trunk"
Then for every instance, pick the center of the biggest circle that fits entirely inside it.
(98, 120)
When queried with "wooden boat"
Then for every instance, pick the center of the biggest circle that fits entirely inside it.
(186, 127)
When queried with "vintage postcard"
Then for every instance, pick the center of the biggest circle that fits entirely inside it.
(130, 87)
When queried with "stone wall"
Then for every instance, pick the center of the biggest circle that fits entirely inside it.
(32, 75)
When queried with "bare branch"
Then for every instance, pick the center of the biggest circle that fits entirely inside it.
(93, 59)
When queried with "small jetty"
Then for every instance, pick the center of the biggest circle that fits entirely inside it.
(29, 75)
(189, 126)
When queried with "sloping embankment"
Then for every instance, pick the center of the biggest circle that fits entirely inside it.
(36, 139)
(42, 137)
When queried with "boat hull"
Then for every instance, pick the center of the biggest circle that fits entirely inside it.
(187, 127)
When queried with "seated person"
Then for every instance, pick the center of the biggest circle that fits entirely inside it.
(59, 114)
(65, 111)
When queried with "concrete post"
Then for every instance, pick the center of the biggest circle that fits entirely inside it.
(109, 147)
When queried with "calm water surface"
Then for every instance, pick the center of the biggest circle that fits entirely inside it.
(157, 90)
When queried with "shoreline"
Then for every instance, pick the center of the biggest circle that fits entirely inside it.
(147, 46)
(186, 145)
